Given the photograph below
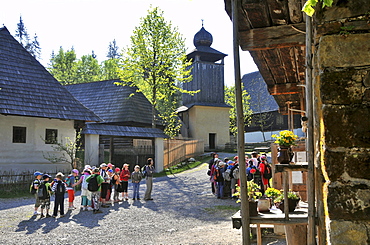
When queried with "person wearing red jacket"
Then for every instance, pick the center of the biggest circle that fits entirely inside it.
(124, 177)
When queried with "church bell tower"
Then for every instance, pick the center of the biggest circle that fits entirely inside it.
(205, 114)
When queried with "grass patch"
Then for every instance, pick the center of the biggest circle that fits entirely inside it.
(222, 208)
(15, 193)
(180, 167)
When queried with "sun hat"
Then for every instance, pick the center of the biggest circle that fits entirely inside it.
(45, 176)
(37, 173)
(61, 175)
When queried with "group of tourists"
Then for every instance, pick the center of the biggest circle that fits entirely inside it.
(97, 185)
(224, 174)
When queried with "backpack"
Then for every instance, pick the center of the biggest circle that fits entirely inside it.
(267, 174)
(42, 192)
(84, 184)
(60, 189)
(143, 171)
(32, 189)
(93, 183)
(68, 181)
(227, 174)
(236, 173)
(218, 175)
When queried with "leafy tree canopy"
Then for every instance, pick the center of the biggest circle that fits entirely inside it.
(231, 101)
(63, 66)
(156, 63)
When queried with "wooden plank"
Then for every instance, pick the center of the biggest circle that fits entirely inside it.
(257, 13)
(300, 63)
(288, 61)
(259, 235)
(295, 11)
(274, 61)
(263, 66)
(284, 88)
(272, 37)
(279, 12)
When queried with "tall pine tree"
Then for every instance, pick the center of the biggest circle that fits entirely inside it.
(33, 47)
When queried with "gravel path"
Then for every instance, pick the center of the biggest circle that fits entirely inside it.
(182, 212)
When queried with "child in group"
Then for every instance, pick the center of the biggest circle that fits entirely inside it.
(110, 173)
(59, 188)
(117, 185)
(124, 177)
(70, 181)
(45, 200)
(85, 193)
(136, 177)
(34, 187)
(96, 180)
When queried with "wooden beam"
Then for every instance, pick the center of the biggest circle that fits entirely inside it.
(284, 88)
(273, 37)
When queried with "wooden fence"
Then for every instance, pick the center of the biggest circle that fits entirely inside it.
(11, 180)
(178, 150)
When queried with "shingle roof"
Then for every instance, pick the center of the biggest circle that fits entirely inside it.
(28, 89)
(113, 103)
(125, 131)
(261, 100)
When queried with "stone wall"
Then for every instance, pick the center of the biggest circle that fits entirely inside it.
(342, 123)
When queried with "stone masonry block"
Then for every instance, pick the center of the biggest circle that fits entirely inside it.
(347, 126)
(344, 51)
(347, 232)
(348, 202)
(341, 87)
(334, 164)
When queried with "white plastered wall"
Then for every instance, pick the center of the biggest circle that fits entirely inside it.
(29, 156)
(204, 120)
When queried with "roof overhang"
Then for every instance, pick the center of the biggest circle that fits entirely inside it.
(123, 131)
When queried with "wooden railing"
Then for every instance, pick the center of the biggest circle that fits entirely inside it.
(178, 150)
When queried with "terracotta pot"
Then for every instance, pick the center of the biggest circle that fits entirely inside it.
(285, 154)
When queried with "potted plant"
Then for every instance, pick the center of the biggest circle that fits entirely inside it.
(293, 199)
(285, 139)
(253, 194)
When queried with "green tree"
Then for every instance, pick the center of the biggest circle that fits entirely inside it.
(156, 63)
(21, 33)
(33, 47)
(231, 101)
(65, 151)
(88, 69)
(110, 69)
(63, 66)
(113, 52)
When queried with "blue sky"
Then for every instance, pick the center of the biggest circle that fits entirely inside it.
(91, 24)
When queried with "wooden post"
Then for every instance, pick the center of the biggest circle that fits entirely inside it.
(240, 128)
(311, 238)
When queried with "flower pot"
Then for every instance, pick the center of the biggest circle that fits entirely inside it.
(253, 208)
(263, 205)
(285, 154)
(292, 203)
